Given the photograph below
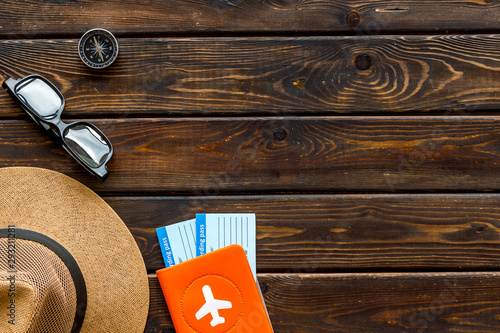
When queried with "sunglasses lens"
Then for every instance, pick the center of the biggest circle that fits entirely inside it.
(89, 144)
(40, 97)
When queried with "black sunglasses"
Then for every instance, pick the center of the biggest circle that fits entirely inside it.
(40, 99)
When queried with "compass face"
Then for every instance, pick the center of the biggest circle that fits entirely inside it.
(98, 48)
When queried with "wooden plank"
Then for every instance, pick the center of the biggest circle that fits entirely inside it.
(268, 76)
(44, 18)
(279, 155)
(355, 303)
(325, 233)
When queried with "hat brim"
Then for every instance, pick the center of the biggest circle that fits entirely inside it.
(67, 211)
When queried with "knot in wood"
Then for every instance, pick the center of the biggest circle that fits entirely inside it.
(363, 62)
(279, 134)
(353, 19)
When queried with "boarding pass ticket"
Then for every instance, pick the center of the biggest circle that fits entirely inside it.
(208, 232)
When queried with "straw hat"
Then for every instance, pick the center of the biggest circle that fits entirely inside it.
(67, 261)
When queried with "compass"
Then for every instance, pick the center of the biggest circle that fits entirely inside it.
(98, 48)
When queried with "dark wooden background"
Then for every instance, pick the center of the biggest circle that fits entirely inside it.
(363, 134)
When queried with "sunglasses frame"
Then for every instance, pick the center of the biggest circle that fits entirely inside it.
(54, 127)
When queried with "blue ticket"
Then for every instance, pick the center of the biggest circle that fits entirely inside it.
(215, 231)
(177, 242)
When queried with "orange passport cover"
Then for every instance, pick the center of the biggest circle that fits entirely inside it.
(214, 293)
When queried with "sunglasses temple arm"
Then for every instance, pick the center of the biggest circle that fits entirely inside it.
(9, 85)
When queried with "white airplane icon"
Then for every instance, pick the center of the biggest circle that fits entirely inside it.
(212, 306)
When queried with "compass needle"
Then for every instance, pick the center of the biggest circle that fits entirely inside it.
(98, 48)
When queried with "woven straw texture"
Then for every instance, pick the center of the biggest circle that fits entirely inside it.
(44, 291)
(74, 216)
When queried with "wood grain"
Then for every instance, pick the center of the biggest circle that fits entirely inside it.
(363, 134)
(332, 233)
(268, 76)
(354, 303)
(279, 155)
(73, 18)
